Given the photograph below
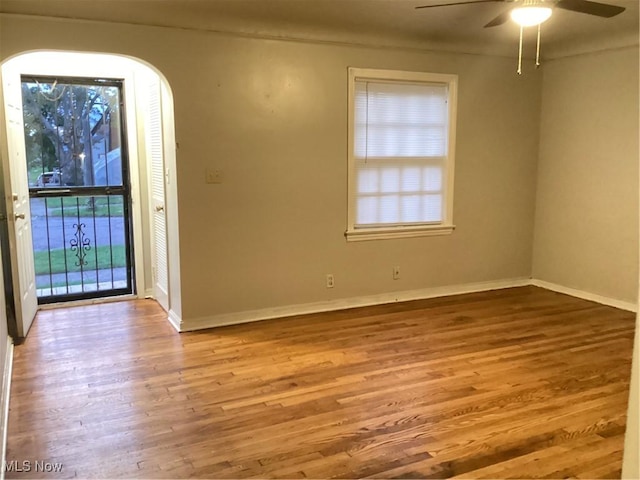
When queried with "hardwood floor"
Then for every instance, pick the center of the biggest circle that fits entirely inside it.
(519, 383)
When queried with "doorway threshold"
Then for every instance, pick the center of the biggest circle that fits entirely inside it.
(87, 301)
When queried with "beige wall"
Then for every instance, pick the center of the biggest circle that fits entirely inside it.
(273, 116)
(586, 223)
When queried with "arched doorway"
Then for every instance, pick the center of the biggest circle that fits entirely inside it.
(148, 132)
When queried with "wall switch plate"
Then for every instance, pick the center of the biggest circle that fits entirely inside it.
(396, 273)
(213, 175)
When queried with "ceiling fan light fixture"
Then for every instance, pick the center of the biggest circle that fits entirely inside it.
(530, 16)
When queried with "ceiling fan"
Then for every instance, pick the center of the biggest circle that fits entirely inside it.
(582, 6)
(531, 13)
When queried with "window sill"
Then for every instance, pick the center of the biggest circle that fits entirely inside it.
(385, 233)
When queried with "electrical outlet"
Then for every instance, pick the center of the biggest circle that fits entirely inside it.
(330, 280)
(396, 273)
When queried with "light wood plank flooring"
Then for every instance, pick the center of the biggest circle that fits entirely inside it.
(519, 383)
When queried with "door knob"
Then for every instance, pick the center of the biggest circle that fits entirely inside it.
(159, 208)
(19, 215)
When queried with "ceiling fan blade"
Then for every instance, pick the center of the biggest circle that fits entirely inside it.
(460, 3)
(591, 8)
(499, 20)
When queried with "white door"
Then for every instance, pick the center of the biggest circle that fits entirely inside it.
(157, 173)
(18, 211)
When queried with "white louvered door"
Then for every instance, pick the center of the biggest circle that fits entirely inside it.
(157, 190)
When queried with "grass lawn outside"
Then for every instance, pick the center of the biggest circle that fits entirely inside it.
(81, 206)
(53, 261)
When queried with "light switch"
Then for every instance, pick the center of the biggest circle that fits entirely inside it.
(213, 176)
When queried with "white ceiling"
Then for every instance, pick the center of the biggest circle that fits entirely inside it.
(382, 22)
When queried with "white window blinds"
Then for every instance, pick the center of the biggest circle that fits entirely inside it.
(400, 152)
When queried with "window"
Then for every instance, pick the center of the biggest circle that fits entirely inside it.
(401, 153)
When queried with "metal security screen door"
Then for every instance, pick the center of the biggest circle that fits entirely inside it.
(78, 187)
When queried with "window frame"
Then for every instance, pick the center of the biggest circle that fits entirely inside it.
(385, 231)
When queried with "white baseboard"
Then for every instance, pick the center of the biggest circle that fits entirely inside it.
(175, 321)
(340, 304)
(235, 318)
(4, 403)
(593, 297)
